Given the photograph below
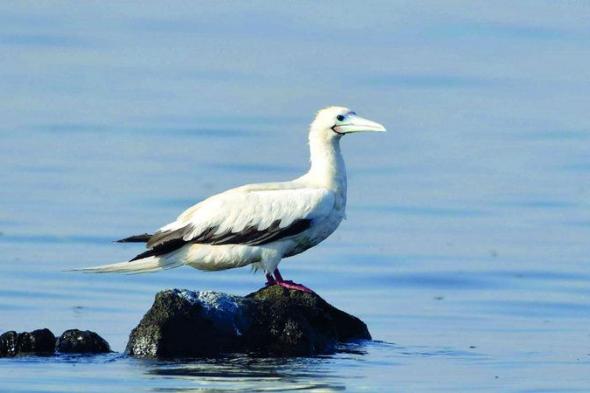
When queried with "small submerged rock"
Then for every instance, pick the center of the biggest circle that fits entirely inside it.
(78, 341)
(272, 321)
(43, 342)
(38, 342)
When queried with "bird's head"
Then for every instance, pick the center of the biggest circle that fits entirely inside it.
(335, 121)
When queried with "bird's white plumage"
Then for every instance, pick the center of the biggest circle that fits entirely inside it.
(257, 205)
(260, 224)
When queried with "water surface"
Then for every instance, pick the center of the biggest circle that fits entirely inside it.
(466, 244)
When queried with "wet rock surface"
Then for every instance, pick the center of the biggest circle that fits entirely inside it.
(273, 321)
(38, 342)
(43, 342)
(78, 341)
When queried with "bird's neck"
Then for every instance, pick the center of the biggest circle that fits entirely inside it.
(327, 165)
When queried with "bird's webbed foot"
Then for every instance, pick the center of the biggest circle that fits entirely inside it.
(278, 280)
(295, 286)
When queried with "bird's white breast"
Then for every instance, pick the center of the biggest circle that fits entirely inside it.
(313, 236)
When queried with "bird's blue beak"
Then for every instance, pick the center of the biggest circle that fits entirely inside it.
(354, 123)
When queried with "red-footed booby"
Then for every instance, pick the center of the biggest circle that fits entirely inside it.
(259, 224)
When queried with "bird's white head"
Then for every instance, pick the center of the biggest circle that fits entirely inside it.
(325, 132)
(333, 122)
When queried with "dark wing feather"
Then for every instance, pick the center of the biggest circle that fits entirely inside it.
(254, 237)
(143, 238)
(163, 243)
(161, 249)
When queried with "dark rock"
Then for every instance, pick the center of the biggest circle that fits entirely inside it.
(78, 341)
(287, 322)
(272, 321)
(8, 343)
(39, 342)
(183, 323)
(43, 342)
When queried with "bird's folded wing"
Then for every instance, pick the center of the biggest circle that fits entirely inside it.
(246, 217)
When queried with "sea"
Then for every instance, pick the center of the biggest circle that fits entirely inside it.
(466, 244)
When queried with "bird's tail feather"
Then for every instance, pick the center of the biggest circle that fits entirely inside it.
(145, 265)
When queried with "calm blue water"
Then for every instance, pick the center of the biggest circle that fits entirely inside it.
(466, 245)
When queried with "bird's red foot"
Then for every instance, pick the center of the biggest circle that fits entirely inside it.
(278, 280)
(294, 286)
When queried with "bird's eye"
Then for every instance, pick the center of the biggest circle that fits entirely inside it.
(340, 117)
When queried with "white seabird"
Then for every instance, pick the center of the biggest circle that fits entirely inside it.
(259, 224)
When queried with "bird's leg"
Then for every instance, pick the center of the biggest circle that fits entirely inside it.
(270, 280)
(289, 284)
(278, 275)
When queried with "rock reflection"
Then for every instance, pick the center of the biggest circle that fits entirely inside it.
(244, 373)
